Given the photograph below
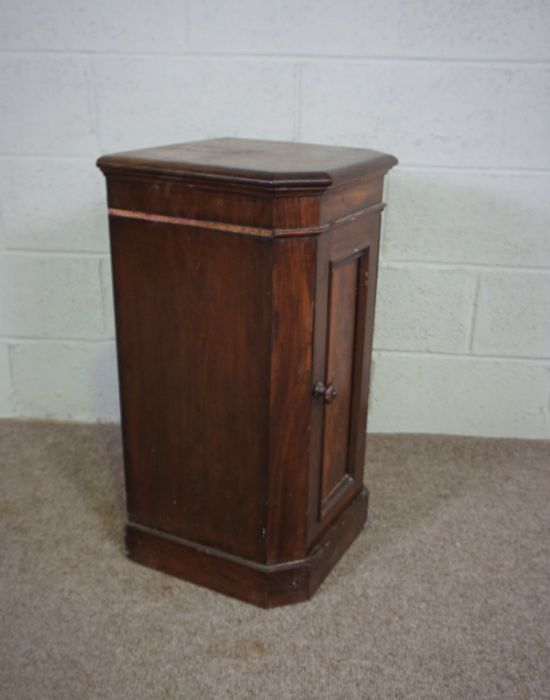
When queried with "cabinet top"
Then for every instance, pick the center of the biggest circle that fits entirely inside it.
(254, 162)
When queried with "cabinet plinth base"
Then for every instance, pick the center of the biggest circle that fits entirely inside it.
(265, 585)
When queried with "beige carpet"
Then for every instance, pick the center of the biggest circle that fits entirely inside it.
(446, 595)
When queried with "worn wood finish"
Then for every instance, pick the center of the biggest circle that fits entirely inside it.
(244, 282)
(264, 164)
(265, 585)
(194, 395)
(241, 209)
(293, 278)
(351, 198)
(342, 319)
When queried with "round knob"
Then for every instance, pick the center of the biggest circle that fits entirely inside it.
(328, 393)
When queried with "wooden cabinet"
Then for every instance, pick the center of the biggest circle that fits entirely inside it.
(244, 277)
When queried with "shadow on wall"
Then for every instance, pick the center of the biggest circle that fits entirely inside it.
(104, 383)
(68, 381)
(467, 217)
(54, 283)
(463, 313)
(53, 207)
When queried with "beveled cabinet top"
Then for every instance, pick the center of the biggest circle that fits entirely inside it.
(278, 164)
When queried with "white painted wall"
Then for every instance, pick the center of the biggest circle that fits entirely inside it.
(459, 90)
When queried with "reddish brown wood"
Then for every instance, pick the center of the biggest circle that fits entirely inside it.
(293, 276)
(265, 585)
(190, 308)
(259, 163)
(353, 242)
(342, 319)
(349, 198)
(244, 277)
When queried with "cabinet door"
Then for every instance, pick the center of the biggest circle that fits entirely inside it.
(347, 262)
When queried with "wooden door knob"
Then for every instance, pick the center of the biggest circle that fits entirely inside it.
(328, 393)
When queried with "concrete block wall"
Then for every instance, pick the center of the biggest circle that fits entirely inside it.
(459, 91)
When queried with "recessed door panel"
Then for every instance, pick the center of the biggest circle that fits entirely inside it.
(342, 323)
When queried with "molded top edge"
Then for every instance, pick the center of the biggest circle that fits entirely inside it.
(275, 164)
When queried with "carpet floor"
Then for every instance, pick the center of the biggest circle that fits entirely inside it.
(445, 595)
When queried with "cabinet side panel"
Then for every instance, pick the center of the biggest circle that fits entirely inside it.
(193, 329)
(293, 289)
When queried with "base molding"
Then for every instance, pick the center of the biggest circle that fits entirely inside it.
(265, 585)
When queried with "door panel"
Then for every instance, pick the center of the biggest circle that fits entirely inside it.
(342, 318)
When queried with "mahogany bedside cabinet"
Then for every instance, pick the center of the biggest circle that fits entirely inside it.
(244, 278)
